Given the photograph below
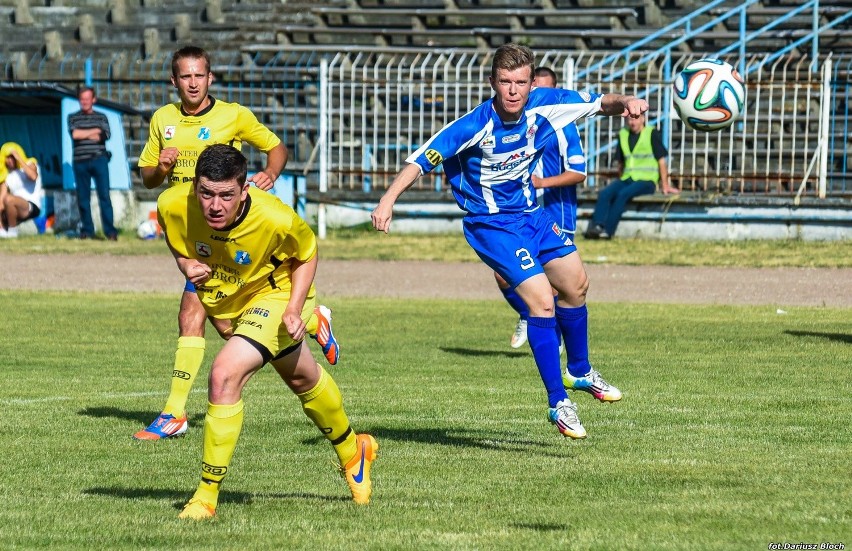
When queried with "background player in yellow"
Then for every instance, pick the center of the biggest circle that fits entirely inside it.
(253, 261)
(179, 132)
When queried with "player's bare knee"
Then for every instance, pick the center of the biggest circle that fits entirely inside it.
(542, 308)
(224, 385)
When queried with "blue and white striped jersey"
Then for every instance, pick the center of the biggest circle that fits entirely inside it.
(563, 153)
(489, 162)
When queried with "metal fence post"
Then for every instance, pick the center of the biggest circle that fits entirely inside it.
(323, 140)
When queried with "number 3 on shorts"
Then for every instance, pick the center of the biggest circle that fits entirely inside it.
(527, 261)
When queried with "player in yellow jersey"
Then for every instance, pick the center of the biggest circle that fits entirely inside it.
(253, 261)
(179, 132)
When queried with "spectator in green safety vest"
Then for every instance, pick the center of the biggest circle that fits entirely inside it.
(641, 161)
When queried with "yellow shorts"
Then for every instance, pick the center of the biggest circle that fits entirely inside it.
(260, 323)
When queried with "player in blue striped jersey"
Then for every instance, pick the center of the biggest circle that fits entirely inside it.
(489, 155)
(561, 168)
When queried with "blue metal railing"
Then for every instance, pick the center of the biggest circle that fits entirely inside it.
(689, 31)
(683, 25)
(813, 37)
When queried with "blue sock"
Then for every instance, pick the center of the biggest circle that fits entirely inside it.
(558, 331)
(541, 333)
(515, 302)
(574, 324)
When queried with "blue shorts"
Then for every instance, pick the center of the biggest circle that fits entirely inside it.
(517, 245)
(189, 287)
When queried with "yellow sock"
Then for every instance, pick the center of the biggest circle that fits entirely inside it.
(323, 405)
(188, 358)
(222, 426)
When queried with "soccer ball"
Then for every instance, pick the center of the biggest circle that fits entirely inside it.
(149, 229)
(709, 95)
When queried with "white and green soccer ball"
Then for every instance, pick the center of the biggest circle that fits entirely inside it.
(709, 95)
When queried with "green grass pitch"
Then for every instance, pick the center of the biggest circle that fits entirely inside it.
(734, 432)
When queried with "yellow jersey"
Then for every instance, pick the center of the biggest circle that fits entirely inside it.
(249, 259)
(220, 122)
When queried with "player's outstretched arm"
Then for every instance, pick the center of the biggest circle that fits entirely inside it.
(624, 106)
(383, 213)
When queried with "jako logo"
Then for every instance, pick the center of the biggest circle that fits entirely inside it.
(178, 374)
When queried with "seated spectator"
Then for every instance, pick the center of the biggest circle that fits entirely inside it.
(641, 161)
(20, 189)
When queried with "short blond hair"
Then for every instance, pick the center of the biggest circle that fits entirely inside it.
(511, 56)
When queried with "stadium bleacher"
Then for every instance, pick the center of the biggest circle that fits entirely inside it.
(47, 39)
(224, 26)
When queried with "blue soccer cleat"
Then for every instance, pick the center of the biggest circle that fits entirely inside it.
(164, 426)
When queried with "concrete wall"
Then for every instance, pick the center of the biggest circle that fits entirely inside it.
(715, 223)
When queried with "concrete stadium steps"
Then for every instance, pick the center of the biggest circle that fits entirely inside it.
(147, 27)
(442, 19)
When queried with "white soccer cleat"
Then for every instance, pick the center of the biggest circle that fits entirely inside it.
(564, 416)
(593, 383)
(520, 335)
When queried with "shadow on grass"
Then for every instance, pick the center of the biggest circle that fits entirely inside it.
(840, 337)
(538, 527)
(464, 438)
(144, 418)
(179, 498)
(485, 353)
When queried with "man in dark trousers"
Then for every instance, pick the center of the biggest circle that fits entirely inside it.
(90, 131)
(641, 159)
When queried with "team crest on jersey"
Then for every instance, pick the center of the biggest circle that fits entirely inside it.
(169, 132)
(512, 138)
(242, 257)
(532, 130)
(434, 157)
(203, 249)
(585, 96)
(203, 133)
(488, 143)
